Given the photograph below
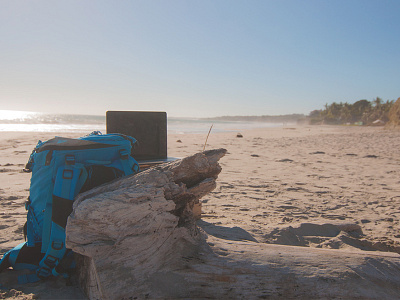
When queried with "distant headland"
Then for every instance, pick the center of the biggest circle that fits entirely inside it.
(292, 118)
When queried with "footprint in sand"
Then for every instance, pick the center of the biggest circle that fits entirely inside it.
(285, 160)
(20, 230)
(295, 189)
(20, 152)
(284, 207)
(318, 152)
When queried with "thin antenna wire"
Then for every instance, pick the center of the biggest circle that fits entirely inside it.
(204, 148)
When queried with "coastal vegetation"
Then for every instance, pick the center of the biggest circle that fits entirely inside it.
(362, 112)
(394, 115)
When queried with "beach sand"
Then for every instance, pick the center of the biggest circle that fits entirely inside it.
(334, 187)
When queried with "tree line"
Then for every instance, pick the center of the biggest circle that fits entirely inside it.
(362, 112)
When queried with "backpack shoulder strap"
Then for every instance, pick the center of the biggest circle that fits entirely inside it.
(69, 180)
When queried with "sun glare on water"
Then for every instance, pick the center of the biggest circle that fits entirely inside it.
(16, 115)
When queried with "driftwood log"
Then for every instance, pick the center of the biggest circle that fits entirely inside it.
(137, 238)
(133, 231)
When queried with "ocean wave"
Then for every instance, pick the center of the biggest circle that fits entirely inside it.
(24, 117)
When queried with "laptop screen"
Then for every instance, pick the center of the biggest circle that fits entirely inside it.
(148, 128)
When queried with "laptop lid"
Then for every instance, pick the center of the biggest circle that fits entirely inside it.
(148, 128)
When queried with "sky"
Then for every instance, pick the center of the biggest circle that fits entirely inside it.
(197, 58)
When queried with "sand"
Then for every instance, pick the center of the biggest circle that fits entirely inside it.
(335, 187)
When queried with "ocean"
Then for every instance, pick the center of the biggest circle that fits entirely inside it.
(11, 120)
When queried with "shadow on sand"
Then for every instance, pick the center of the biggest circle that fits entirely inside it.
(226, 233)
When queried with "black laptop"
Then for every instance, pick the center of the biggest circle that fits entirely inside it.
(148, 128)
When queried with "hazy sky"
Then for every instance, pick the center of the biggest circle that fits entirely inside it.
(197, 58)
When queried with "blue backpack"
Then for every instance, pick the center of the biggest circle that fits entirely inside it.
(61, 168)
